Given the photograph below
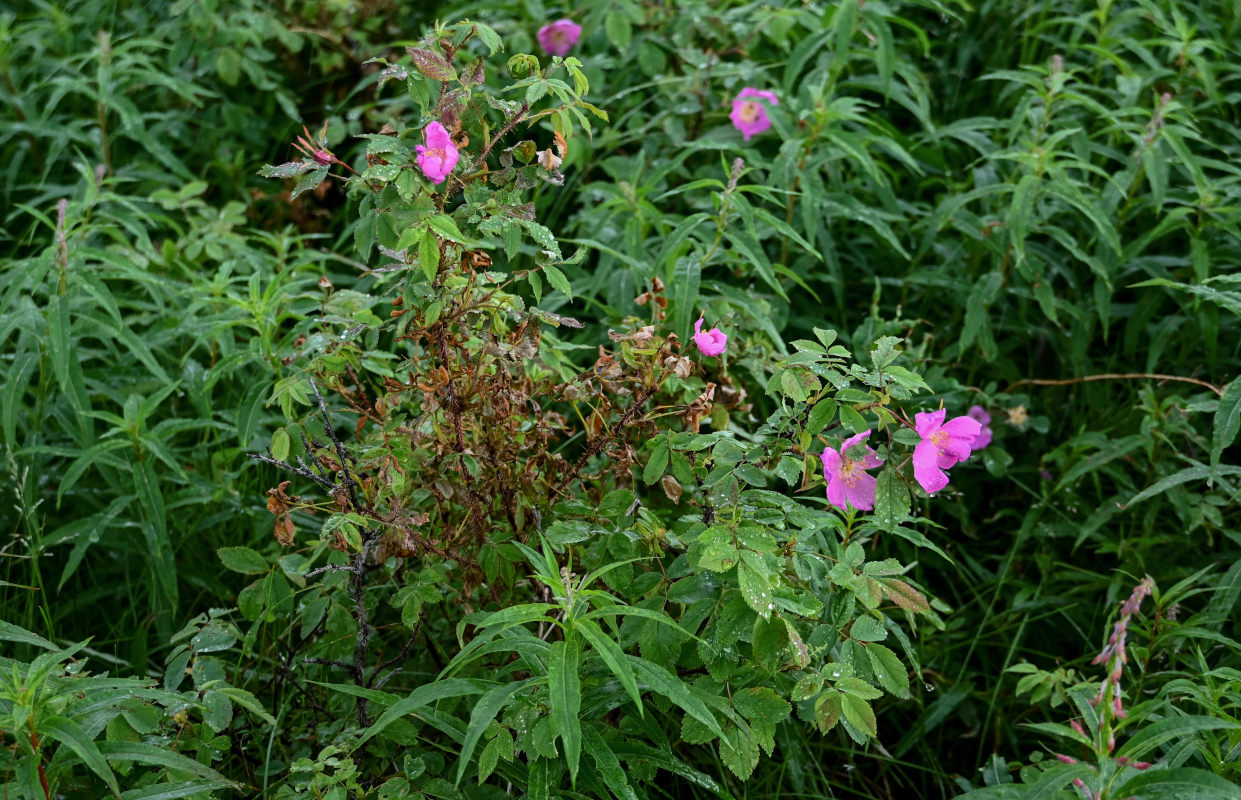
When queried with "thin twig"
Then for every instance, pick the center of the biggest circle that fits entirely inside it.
(328, 568)
(328, 662)
(350, 485)
(508, 126)
(395, 660)
(303, 471)
(357, 588)
(1118, 376)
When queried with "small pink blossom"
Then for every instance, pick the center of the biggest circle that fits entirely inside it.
(943, 445)
(438, 157)
(847, 480)
(557, 38)
(980, 415)
(711, 343)
(749, 115)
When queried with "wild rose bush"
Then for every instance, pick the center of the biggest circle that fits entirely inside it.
(570, 575)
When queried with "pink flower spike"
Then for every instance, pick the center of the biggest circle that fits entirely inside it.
(847, 481)
(943, 445)
(557, 38)
(980, 415)
(438, 157)
(711, 343)
(749, 115)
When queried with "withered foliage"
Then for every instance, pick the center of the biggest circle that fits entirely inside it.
(482, 432)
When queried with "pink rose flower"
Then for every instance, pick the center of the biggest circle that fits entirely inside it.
(980, 415)
(749, 115)
(847, 480)
(943, 445)
(711, 343)
(557, 38)
(437, 158)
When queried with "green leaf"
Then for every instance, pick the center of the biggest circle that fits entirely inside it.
(484, 712)
(68, 733)
(425, 695)
(750, 474)
(446, 227)
(827, 710)
(12, 633)
(162, 757)
(764, 710)
(1227, 423)
(891, 500)
(1046, 787)
(857, 687)
(717, 552)
(558, 281)
(755, 586)
(564, 691)
(170, 791)
(859, 714)
(228, 66)
(868, 629)
(249, 702)
(429, 254)
(888, 669)
(656, 464)
(665, 683)
(686, 277)
(608, 764)
(280, 444)
(1179, 782)
(611, 654)
(1152, 736)
(243, 560)
(1196, 473)
(820, 416)
(619, 31)
(851, 419)
(845, 21)
(310, 180)
(489, 37)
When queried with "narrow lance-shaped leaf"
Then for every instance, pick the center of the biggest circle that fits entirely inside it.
(564, 690)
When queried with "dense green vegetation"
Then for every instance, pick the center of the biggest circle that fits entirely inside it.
(510, 400)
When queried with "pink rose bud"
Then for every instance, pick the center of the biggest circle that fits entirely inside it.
(557, 38)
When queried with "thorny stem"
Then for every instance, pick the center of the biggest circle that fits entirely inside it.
(508, 127)
(302, 471)
(357, 588)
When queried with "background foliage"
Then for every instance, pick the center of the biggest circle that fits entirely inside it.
(1028, 207)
